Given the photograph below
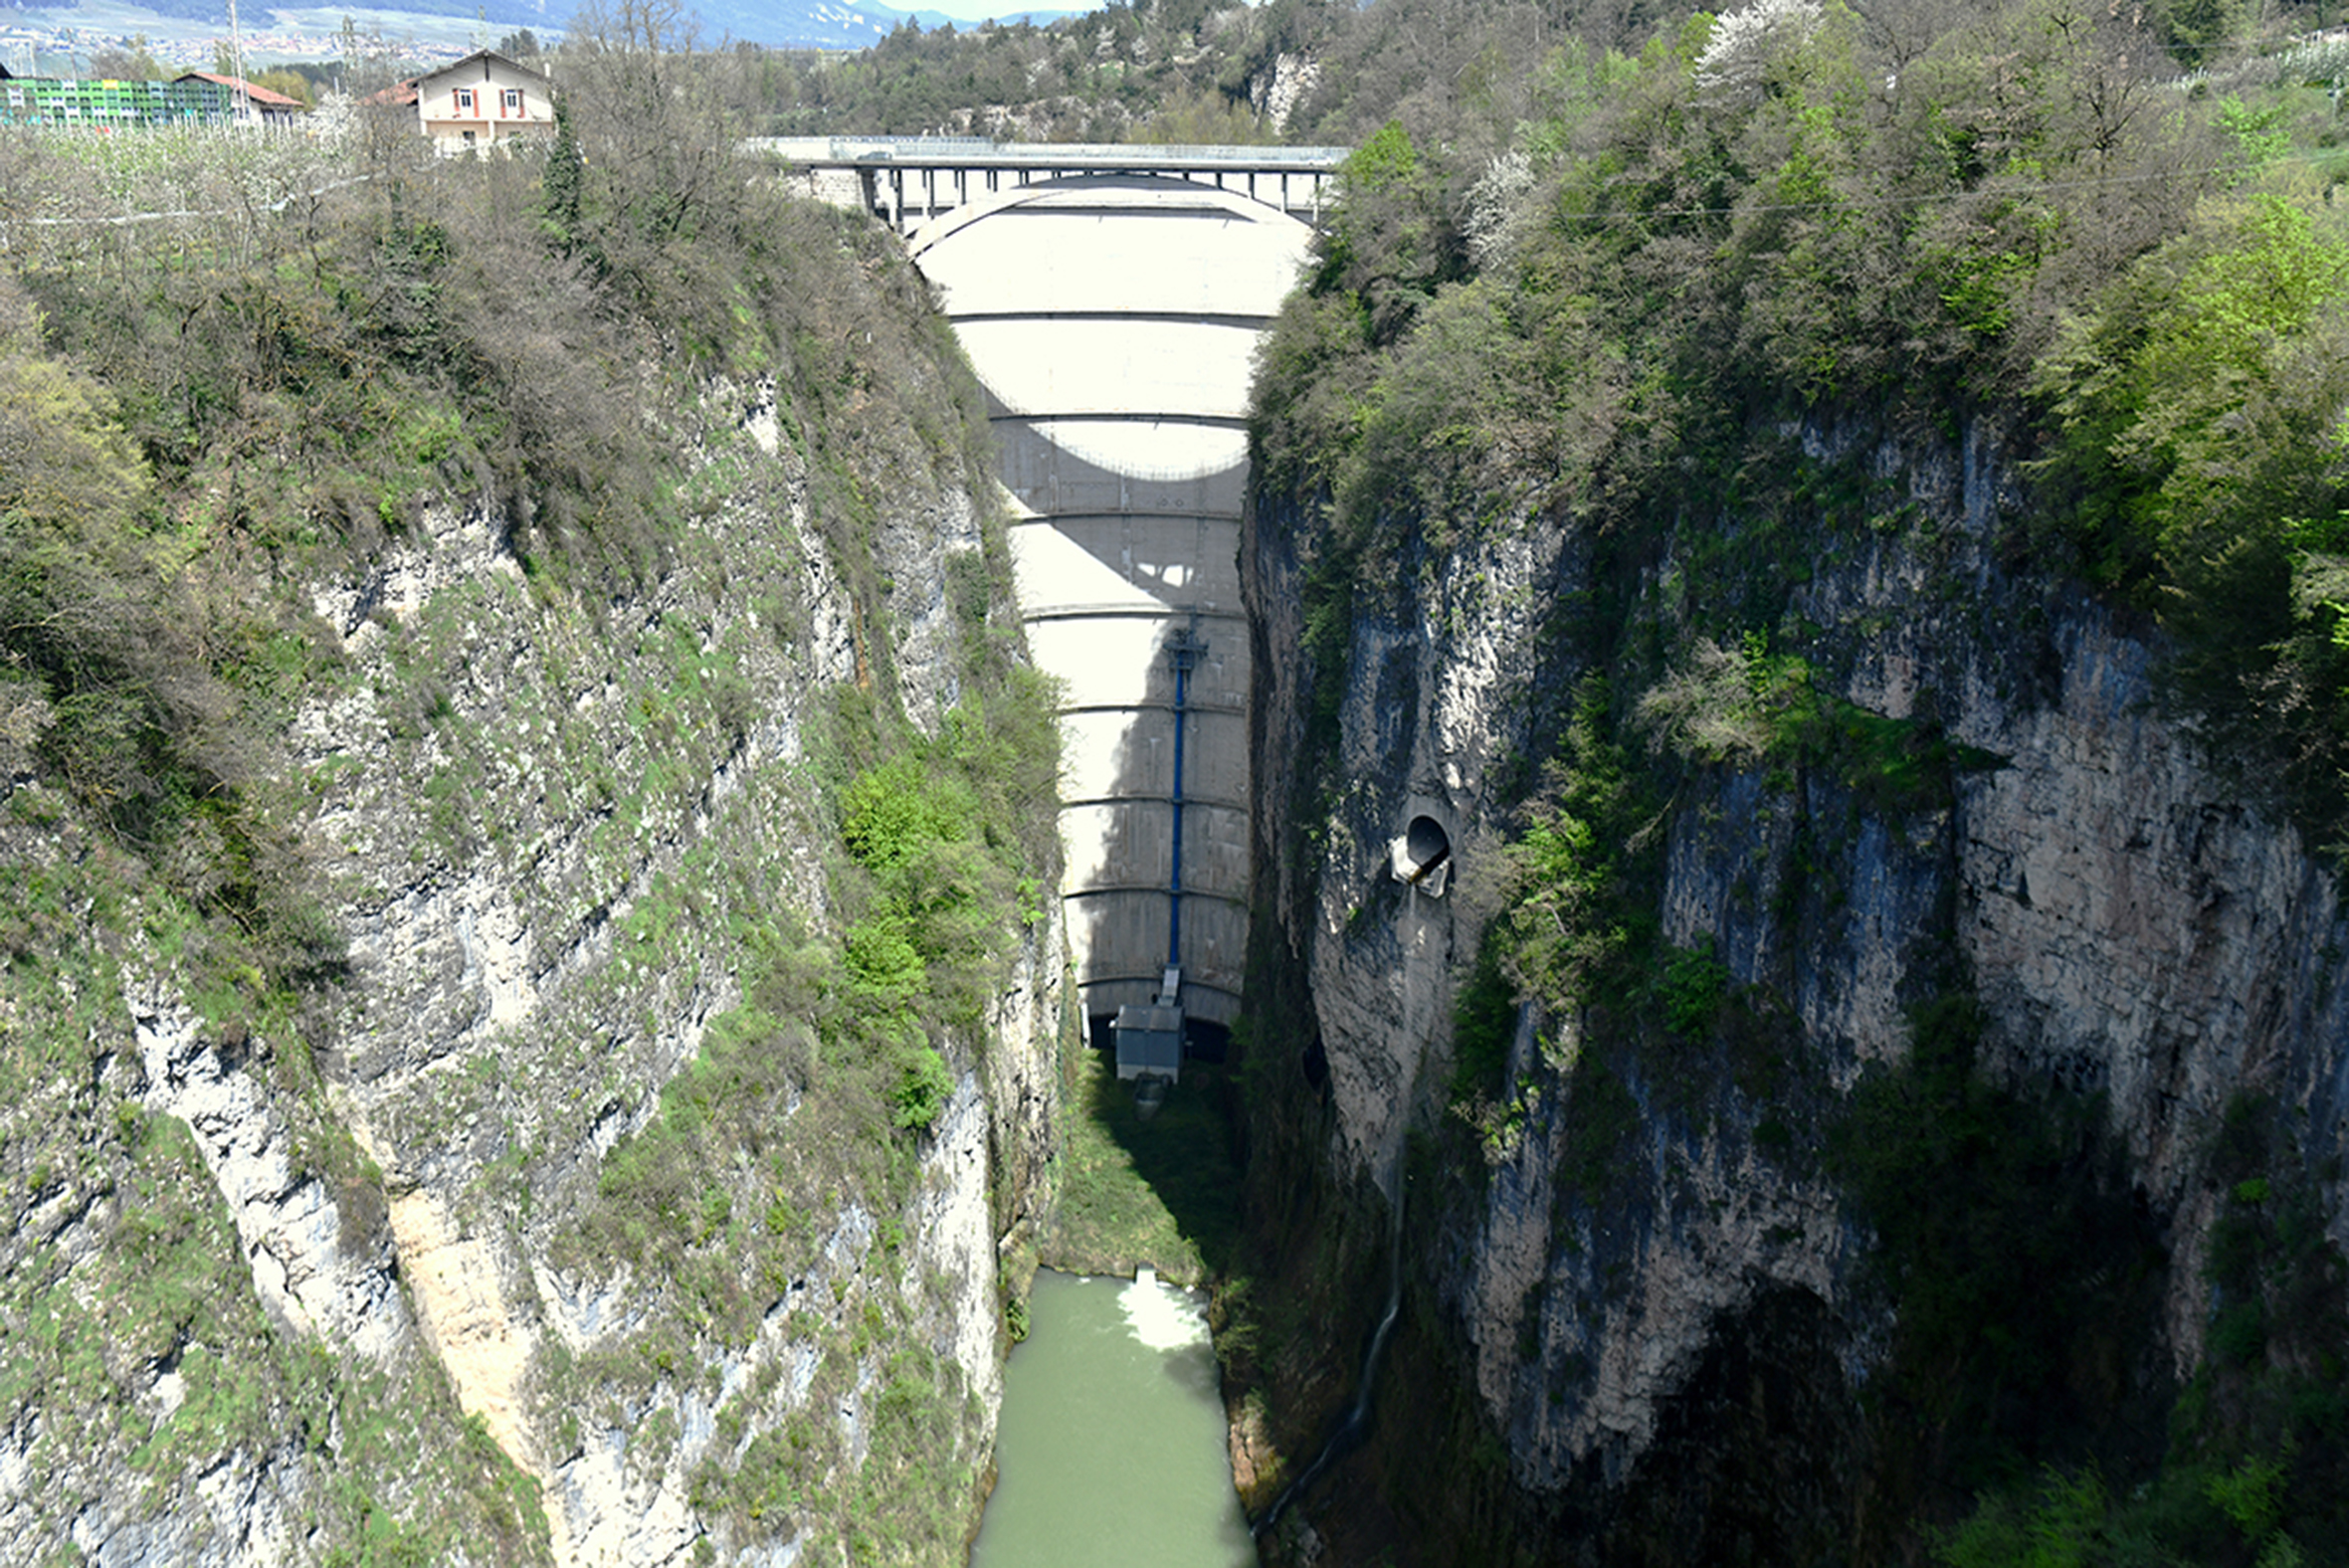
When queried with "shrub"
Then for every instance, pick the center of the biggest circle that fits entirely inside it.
(890, 814)
(1483, 1021)
(1693, 988)
(923, 1088)
(1579, 926)
(2007, 1241)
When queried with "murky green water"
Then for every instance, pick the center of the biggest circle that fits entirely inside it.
(1111, 1446)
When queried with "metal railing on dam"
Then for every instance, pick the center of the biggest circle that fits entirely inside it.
(1112, 317)
(910, 181)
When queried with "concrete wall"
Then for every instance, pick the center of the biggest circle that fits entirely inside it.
(1112, 320)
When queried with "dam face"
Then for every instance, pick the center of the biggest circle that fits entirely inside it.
(1112, 320)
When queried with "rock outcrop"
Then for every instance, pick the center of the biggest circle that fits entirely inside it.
(565, 837)
(1634, 1253)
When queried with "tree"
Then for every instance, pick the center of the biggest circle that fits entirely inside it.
(369, 61)
(1390, 241)
(2225, 334)
(64, 462)
(1747, 44)
(90, 600)
(2197, 31)
(651, 123)
(562, 181)
(136, 64)
(292, 84)
(1203, 118)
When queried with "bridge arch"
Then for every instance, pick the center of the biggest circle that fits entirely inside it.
(1113, 322)
(1108, 187)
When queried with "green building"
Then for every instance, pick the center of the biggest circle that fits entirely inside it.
(61, 101)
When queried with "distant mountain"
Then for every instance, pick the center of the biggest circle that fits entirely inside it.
(791, 24)
(928, 20)
(829, 24)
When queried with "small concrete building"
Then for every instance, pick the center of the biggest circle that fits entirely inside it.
(481, 101)
(1151, 1041)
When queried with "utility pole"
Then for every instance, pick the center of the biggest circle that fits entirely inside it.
(243, 99)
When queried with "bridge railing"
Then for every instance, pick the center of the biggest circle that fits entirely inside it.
(983, 151)
(908, 181)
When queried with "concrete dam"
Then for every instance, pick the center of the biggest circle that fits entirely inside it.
(1110, 300)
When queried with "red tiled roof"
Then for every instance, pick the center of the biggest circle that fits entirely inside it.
(261, 95)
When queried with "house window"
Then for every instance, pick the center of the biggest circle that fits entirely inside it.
(464, 99)
(513, 99)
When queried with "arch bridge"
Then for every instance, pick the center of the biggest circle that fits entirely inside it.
(908, 181)
(1110, 300)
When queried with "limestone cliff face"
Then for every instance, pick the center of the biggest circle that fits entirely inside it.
(2129, 926)
(1276, 91)
(562, 834)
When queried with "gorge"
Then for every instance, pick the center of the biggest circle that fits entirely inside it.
(1765, 817)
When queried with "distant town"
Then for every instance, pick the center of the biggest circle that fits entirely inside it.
(30, 48)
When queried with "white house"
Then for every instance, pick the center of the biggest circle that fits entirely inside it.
(481, 101)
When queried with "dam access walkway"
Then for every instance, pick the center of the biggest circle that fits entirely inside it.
(1110, 300)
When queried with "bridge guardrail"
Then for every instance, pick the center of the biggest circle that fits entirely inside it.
(872, 151)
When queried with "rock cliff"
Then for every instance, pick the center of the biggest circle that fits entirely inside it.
(1648, 1313)
(553, 1226)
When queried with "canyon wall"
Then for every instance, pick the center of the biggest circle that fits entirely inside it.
(1643, 1317)
(552, 1226)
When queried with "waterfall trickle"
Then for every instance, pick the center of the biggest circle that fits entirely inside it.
(1350, 1434)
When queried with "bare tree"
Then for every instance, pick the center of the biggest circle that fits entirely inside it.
(649, 110)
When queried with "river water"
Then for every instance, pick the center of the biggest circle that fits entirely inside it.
(1111, 1448)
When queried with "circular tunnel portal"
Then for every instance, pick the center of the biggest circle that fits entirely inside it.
(1419, 858)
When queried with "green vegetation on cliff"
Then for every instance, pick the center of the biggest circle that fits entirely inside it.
(1604, 289)
(236, 376)
(1702, 296)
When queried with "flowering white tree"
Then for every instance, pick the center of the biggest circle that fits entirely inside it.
(1744, 44)
(1496, 204)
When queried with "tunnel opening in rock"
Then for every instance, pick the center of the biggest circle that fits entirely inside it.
(1421, 857)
